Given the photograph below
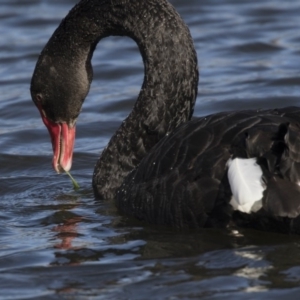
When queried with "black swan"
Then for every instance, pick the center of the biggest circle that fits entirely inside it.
(238, 168)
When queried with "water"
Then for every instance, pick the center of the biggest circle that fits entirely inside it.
(56, 243)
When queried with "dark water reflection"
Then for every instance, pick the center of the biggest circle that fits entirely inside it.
(59, 244)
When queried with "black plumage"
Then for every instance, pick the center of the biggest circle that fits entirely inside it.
(160, 166)
(186, 171)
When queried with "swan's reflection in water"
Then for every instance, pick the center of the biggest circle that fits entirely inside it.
(66, 232)
(66, 228)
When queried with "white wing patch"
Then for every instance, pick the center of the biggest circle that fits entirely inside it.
(245, 179)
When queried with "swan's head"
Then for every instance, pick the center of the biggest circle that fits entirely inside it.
(58, 89)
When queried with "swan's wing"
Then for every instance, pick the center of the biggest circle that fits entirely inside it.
(183, 181)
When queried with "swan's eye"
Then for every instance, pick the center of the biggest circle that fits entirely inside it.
(39, 99)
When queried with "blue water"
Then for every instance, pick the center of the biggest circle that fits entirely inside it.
(56, 243)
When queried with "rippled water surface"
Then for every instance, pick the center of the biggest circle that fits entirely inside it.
(56, 243)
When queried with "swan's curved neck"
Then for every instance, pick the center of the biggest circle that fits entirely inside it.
(170, 83)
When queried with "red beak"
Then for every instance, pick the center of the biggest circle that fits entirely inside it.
(62, 138)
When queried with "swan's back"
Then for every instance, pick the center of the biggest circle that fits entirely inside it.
(183, 181)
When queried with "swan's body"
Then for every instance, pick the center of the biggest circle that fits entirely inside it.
(183, 180)
(159, 166)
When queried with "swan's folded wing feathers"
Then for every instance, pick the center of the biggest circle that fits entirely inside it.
(292, 140)
(282, 198)
(245, 179)
(258, 141)
(175, 200)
